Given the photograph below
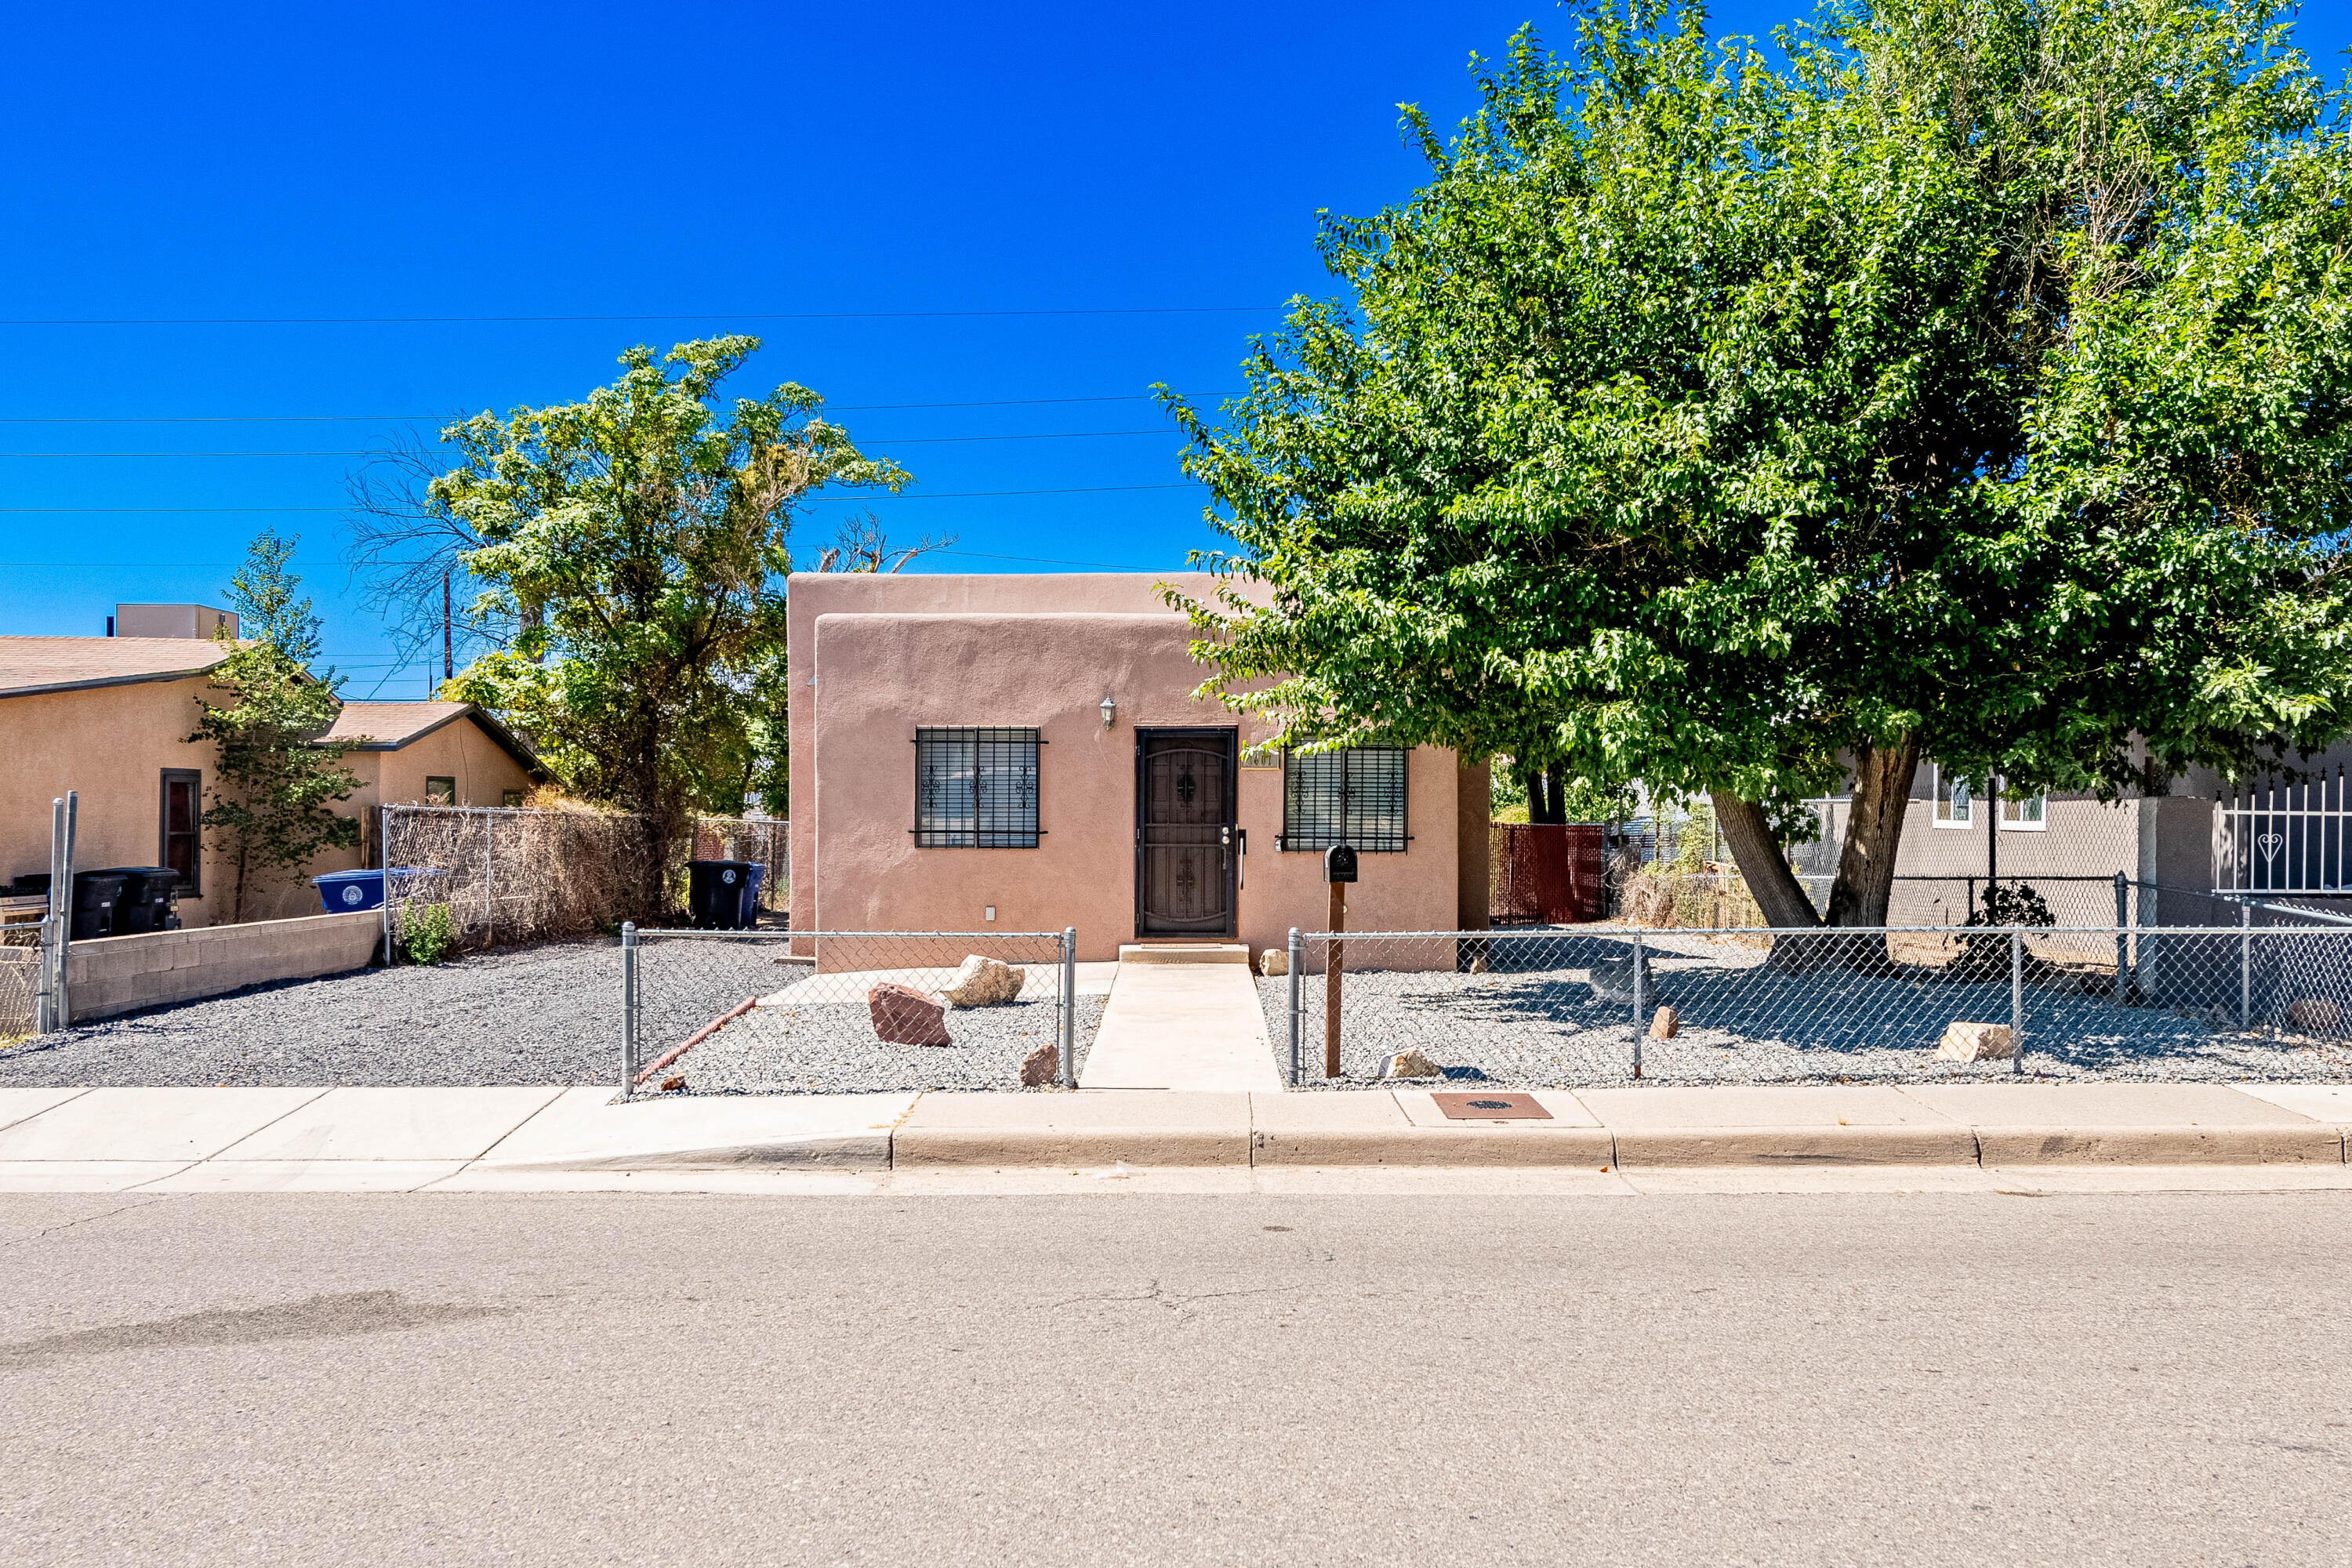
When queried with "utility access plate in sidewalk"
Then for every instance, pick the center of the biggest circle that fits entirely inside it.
(1491, 1107)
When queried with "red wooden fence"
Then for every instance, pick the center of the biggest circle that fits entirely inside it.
(1548, 874)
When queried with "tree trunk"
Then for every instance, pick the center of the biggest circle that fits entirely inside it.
(1865, 874)
(1775, 888)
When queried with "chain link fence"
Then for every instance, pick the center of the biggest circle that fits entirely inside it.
(22, 956)
(831, 1012)
(500, 875)
(1606, 1005)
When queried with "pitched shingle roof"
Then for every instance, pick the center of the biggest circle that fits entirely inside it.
(389, 726)
(29, 665)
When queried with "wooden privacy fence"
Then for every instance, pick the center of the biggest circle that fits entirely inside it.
(1546, 873)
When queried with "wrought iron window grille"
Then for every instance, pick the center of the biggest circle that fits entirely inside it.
(976, 788)
(1355, 796)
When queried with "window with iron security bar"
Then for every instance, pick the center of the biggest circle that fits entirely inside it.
(1354, 797)
(976, 788)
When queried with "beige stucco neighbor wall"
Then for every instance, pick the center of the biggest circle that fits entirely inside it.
(110, 746)
(482, 768)
(880, 676)
(123, 973)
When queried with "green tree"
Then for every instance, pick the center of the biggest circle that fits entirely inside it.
(1971, 383)
(637, 538)
(270, 810)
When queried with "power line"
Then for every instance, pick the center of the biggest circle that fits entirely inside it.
(419, 419)
(379, 451)
(641, 316)
(860, 500)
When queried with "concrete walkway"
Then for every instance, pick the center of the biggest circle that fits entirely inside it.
(2078, 1136)
(1185, 1026)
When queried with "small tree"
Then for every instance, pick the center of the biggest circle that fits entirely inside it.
(270, 811)
(639, 539)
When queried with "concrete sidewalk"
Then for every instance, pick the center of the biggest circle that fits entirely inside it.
(1195, 1027)
(224, 1139)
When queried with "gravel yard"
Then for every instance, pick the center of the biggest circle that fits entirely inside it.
(543, 1014)
(1741, 1022)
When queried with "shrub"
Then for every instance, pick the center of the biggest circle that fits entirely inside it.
(426, 934)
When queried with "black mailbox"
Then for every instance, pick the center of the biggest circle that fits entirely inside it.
(1338, 864)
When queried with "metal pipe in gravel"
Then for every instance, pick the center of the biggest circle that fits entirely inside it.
(1069, 1006)
(1295, 953)
(1641, 1000)
(2016, 1004)
(628, 1008)
(696, 1038)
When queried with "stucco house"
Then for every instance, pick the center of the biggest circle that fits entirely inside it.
(108, 718)
(1027, 752)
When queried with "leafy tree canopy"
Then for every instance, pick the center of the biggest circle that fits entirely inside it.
(638, 540)
(1968, 380)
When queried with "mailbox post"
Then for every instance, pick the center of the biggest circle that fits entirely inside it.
(1339, 870)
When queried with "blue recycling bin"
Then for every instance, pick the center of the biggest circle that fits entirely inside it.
(724, 895)
(340, 892)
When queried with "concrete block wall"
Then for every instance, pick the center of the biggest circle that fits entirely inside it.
(123, 973)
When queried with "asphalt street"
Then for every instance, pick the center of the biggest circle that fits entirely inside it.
(568, 1378)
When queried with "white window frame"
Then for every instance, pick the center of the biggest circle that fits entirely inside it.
(1942, 805)
(2039, 801)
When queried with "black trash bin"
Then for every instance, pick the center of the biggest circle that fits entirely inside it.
(724, 895)
(95, 895)
(150, 900)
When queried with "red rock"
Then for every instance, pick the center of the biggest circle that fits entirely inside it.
(906, 1016)
(1042, 1066)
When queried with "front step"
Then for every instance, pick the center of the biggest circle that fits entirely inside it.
(1185, 952)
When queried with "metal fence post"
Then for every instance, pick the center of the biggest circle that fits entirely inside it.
(383, 853)
(63, 818)
(2123, 951)
(2016, 1001)
(2245, 967)
(1297, 951)
(1069, 1006)
(628, 1008)
(1640, 1001)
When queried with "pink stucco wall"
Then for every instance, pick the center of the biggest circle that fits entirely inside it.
(890, 653)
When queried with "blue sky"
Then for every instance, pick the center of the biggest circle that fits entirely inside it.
(256, 162)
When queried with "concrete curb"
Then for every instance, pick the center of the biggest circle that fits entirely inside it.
(863, 1151)
(1694, 1148)
(921, 1147)
(1476, 1145)
(2315, 1145)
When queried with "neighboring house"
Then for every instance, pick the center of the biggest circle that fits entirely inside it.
(1028, 750)
(110, 717)
(426, 753)
(2183, 855)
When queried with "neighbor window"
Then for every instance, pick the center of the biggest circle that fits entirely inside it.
(975, 789)
(1354, 797)
(2024, 813)
(440, 791)
(181, 837)
(1955, 807)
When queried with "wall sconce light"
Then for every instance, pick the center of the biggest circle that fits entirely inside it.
(1109, 711)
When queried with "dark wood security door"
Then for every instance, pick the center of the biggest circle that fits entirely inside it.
(1184, 863)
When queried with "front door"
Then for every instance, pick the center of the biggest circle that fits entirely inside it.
(1184, 863)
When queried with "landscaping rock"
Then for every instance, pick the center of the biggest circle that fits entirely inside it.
(1663, 1024)
(1042, 1066)
(1977, 1043)
(906, 1016)
(2314, 1015)
(982, 983)
(1412, 1064)
(1273, 962)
